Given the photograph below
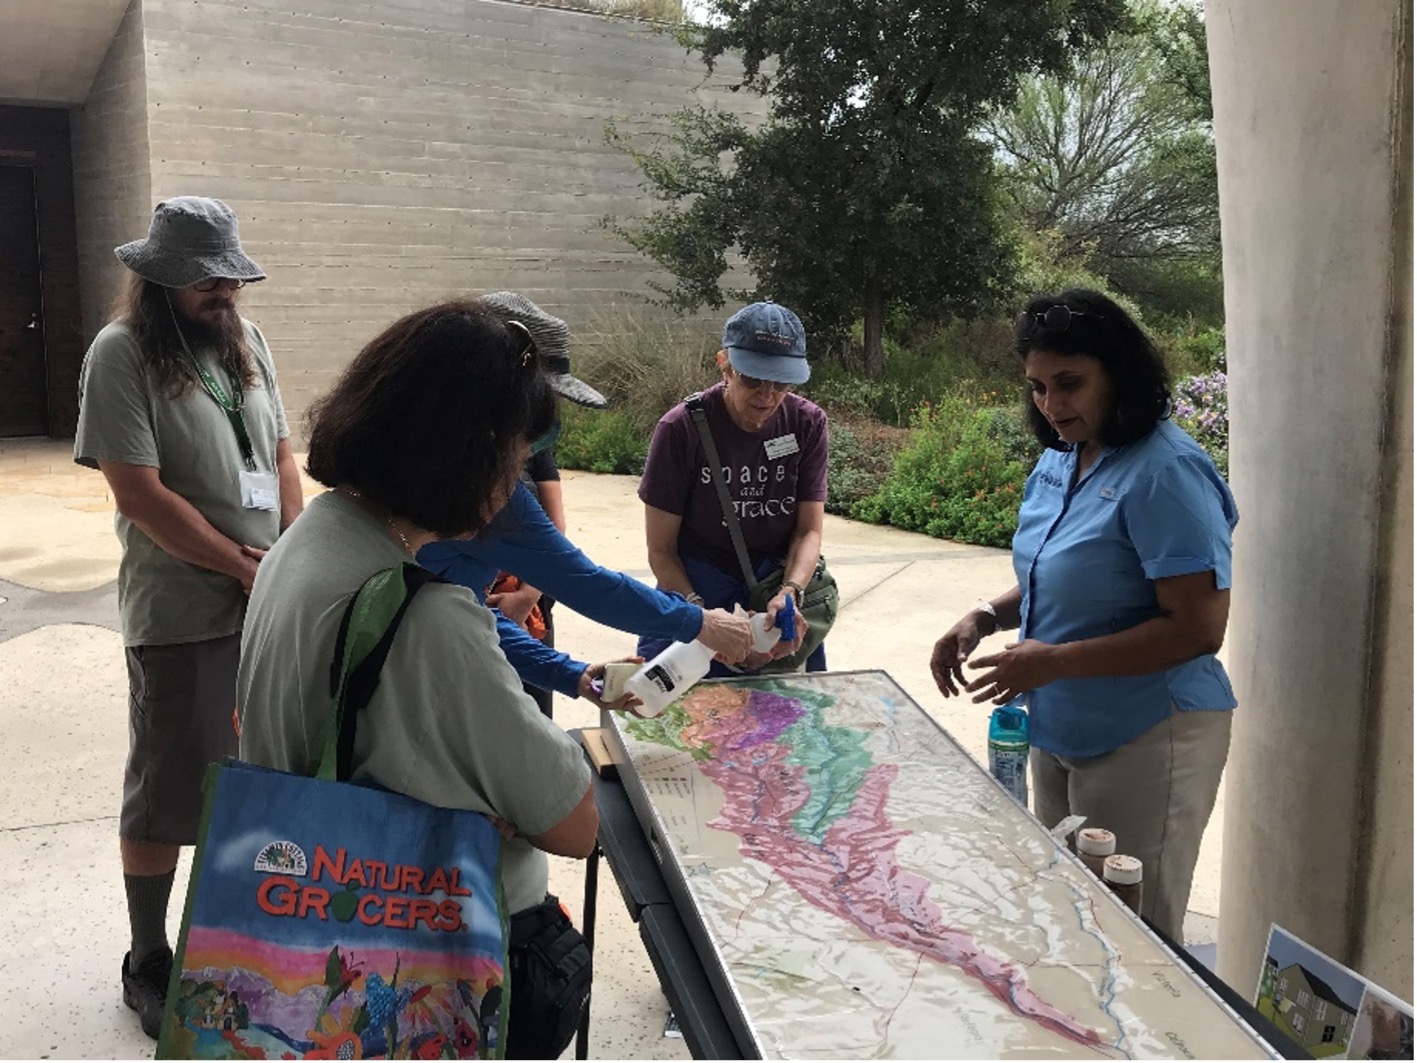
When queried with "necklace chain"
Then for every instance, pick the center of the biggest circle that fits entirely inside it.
(358, 496)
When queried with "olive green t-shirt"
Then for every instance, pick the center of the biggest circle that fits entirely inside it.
(124, 417)
(448, 722)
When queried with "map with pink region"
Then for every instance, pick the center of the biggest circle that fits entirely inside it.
(865, 889)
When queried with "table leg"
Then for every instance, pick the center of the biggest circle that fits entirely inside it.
(592, 877)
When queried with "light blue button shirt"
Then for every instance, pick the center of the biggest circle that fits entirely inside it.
(1086, 556)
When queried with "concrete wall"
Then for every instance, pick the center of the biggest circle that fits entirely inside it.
(1313, 126)
(383, 155)
(112, 168)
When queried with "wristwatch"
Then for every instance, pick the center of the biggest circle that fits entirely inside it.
(796, 588)
(988, 608)
(695, 598)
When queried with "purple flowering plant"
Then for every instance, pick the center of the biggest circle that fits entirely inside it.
(1200, 407)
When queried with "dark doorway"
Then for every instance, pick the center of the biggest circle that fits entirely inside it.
(24, 398)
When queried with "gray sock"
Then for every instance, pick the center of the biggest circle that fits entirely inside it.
(147, 913)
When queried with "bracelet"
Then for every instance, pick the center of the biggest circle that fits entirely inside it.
(695, 598)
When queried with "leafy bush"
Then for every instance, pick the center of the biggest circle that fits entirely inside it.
(925, 367)
(953, 480)
(600, 441)
(1201, 407)
(862, 455)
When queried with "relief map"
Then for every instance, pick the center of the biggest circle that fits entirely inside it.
(870, 892)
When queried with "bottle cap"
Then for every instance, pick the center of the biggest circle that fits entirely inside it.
(1011, 717)
(1123, 870)
(1096, 841)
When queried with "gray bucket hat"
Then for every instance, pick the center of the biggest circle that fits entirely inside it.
(553, 345)
(189, 239)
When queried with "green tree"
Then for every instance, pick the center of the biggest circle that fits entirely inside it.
(1116, 158)
(866, 188)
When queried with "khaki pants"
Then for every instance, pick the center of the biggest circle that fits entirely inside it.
(1155, 794)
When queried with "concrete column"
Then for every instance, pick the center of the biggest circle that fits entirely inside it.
(1313, 121)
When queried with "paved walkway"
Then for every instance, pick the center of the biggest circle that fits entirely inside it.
(63, 726)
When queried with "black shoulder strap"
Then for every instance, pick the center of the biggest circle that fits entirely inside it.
(695, 405)
(364, 677)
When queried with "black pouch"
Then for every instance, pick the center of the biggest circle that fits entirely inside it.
(549, 973)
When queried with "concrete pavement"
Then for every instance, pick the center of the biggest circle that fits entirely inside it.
(63, 724)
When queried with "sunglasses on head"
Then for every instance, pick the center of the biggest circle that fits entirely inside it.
(752, 383)
(1056, 318)
(528, 345)
(211, 284)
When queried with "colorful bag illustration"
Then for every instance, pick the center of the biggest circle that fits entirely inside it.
(330, 920)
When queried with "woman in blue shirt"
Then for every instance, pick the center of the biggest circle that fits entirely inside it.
(1122, 557)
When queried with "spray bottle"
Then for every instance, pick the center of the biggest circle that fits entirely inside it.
(669, 676)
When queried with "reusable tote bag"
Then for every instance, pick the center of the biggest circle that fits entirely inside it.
(330, 920)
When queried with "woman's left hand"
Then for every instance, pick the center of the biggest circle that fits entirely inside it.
(1018, 668)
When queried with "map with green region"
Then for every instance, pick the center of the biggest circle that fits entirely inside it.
(865, 889)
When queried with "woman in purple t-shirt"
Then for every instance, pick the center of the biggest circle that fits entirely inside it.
(772, 446)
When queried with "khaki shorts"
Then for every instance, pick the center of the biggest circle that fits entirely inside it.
(181, 701)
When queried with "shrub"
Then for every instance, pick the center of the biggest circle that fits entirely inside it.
(1202, 409)
(862, 455)
(600, 441)
(927, 366)
(954, 479)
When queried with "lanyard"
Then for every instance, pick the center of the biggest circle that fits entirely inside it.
(231, 407)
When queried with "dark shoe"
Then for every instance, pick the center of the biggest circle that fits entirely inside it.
(145, 990)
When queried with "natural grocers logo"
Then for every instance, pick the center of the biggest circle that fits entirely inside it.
(282, 858)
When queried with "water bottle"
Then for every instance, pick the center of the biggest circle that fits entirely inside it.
(1008, 749)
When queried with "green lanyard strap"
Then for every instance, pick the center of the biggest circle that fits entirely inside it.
(232, 407)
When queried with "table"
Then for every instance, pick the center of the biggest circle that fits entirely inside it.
(707, 1033)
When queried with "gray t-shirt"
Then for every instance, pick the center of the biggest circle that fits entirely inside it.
(124, 417)
(448, 723)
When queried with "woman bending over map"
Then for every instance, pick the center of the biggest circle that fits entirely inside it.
(1122, 558)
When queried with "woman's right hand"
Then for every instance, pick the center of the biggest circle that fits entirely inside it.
(952, 650)
(729, 636)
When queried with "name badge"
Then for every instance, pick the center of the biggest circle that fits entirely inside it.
(259, 490)
(781, 446)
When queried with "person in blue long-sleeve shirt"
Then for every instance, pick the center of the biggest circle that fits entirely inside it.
(522, 540)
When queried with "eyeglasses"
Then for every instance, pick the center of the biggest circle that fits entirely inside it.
(546, 440)
(528, 351)
(1056, 318)
(752, 383)
(211, 284)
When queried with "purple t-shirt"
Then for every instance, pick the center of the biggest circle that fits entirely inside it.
(769, 472)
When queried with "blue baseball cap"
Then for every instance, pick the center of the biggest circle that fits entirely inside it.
(767, 341)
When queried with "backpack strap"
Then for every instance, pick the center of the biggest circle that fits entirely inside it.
(366, 633)
(695, 405)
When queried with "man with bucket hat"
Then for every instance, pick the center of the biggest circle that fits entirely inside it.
(179, 409)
